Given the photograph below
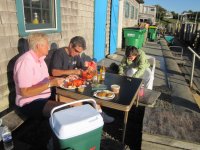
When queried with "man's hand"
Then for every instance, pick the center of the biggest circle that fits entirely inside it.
(77, 71)
(56, 81)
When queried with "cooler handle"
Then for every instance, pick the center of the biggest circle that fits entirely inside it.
(66, 104)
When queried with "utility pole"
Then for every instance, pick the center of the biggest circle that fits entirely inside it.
(196, 18)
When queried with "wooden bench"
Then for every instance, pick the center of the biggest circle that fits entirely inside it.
(13, 119)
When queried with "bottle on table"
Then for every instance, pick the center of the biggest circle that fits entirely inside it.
(102, 73)
(7, 138)
(95, 77)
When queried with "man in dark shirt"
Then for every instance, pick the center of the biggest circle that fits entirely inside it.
(67, 61)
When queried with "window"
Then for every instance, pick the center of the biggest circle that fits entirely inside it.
(127, 10)
(145, 10)
(141, 20)
(38, 15)
(132, 12)
(152, 9)
(136, 13)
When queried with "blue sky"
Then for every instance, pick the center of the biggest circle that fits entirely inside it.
(177, 6)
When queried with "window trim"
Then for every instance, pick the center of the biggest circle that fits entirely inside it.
(21, 23)
(132, 12)
(127, 6)
(136, 13)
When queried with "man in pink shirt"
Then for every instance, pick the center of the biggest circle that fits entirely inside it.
(32, 81)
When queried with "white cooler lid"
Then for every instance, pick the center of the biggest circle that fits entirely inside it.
(75, 121)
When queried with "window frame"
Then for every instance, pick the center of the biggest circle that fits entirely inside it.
(152, 9)
(21, 22)
(127, 6)
(136, 13)
(132, 12)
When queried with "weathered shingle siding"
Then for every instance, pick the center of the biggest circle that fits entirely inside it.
(8, 50)
(128, 22)
(108, 27)
(76, 18)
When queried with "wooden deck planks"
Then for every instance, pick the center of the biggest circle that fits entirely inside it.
(177, 127)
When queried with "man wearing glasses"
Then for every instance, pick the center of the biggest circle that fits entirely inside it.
(66, 60)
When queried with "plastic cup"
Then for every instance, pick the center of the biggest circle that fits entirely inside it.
(141, 91)
(81, 89)
(115, 88)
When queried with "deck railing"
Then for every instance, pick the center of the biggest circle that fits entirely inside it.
(193, 64)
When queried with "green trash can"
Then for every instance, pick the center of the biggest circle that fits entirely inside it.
(77, 128)
(133, 37)
(152, 33)
(143, 32)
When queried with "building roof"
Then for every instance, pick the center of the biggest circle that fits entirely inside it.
(140, 1)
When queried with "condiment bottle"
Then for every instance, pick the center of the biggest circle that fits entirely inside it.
(95, 77)
(35, 20)
(102, 73)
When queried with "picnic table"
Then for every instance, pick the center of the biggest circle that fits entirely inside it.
(128, 94)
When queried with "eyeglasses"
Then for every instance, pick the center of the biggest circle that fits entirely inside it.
(77, 50)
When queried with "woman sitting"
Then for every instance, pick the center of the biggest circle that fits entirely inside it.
(135, 64)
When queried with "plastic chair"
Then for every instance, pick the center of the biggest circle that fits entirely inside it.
(149, 73)
(149, 98)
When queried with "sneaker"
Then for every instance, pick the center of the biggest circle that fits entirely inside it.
(106, 118)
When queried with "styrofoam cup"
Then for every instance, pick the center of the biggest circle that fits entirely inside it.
(115, 88)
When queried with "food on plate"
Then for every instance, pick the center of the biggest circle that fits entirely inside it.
(109, 94)
(68, 85)
(101, 94)
(104, 93)
(78, 82)
(71, 78)
(73, 83)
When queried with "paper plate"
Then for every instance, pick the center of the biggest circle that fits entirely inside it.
(70, 88)
(102, 97)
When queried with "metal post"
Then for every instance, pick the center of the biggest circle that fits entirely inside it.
(124, 128)
(192, 73)
(193, 64)
(196, 18)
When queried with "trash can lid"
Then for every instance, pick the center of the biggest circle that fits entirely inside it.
(153, 27)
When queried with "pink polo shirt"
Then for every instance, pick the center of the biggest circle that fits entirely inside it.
(30, 70)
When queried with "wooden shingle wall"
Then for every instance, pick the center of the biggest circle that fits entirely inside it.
(108, 27)
(76, 19)
(8, 50)
(128, 22)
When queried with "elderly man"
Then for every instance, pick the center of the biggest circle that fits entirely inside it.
(32, 80)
